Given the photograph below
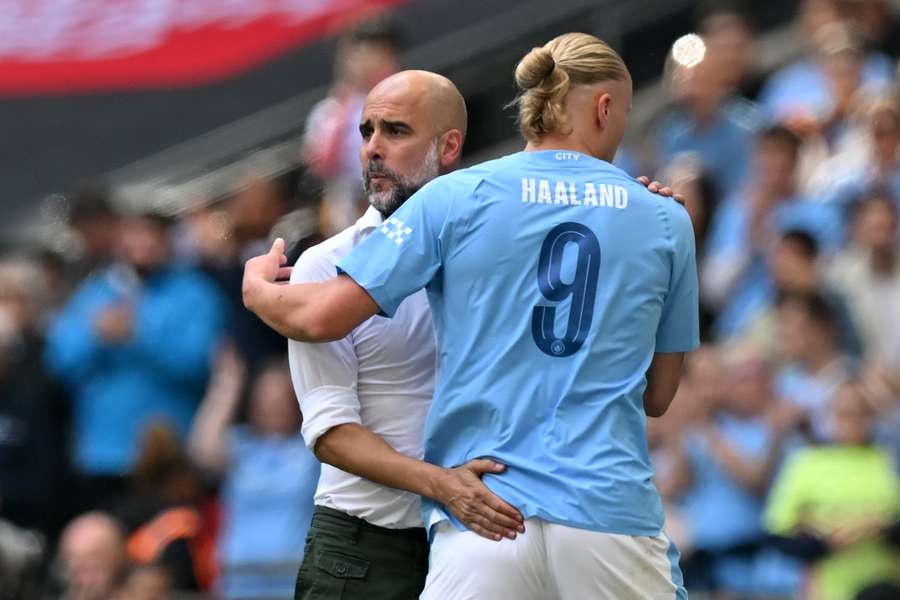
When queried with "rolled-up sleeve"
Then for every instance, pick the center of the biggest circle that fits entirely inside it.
(324, 375)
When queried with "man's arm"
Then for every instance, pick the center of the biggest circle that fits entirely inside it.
(308, 312)
(663, 377)
(353, 448)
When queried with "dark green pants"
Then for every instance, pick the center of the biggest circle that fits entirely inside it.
(346, 558)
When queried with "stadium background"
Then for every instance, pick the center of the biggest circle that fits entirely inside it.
(198, 120)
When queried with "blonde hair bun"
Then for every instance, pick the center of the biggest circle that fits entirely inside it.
(536, 66)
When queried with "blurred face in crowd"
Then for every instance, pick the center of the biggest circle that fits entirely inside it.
(273, 406)
(363, 64)
(776, 163)
(701, 86)
(876, 226)
(143, 243)
(852, 417)
(93, 554)
(799, 335)
(885, 129)
(407, 139)
(750, 388)
(817, 14)
(792, 267)
(256, 209)
(728, 42)
(97, 234)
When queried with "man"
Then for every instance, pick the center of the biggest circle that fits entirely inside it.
(92, 549)
(133, 343)
(364, 397)
(571, 425)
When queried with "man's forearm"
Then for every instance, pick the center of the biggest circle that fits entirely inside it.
(353, 448)
(281, 307)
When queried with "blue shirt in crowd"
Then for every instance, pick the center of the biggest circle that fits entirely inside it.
(553, 277)
(160, 372)
(268, 503)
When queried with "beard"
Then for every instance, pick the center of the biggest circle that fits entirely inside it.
(386, 201)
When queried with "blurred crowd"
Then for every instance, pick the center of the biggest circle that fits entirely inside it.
(149, 434)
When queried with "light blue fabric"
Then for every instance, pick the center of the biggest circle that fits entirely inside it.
(267, 502)
(723, 145)
(722, 512)
(730, 237)
(160, 373)
(505, 250)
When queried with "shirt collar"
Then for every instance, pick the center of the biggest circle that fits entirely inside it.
(370, 220)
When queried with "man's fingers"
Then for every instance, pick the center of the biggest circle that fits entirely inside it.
(277, 247)
(484, 532)
(485, 465)
(284, 273)
(505, 509)
(665, 191)
(493, 527)
(644, 179)
(680, 199)
(498, 518)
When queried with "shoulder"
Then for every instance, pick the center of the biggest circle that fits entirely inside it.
(318, 262)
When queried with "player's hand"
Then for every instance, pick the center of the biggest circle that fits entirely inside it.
(659, 188)
(268, 268)
(463, 493)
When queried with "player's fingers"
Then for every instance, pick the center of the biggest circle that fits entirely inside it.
(679, 198)
(644, 179)
(665, 191)
(654, 186)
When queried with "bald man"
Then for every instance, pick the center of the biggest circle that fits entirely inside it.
(92, 548)
(364, 398)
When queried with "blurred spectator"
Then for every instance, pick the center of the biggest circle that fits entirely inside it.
(807, 332)
(163, 513)
(94, 221)
(92, 550)
(794, 266)
(21, 558)
(731, 450)
(877, 22)
(835, 504)
(869, 274)
(134, 342)
(707, 119)
(331, 138)
(816, 91)
(729, 41)
(735, 276)
(33, 411)
(269, 476)
(145, 582)
(867, 163)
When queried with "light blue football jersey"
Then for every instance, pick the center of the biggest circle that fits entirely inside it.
(553, 277)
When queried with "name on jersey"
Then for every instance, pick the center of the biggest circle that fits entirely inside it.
(568, 193)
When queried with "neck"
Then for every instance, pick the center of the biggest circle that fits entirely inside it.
(569, 142)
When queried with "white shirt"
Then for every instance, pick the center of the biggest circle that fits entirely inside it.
(381, 376)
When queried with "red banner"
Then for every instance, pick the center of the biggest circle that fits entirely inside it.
(63, 46)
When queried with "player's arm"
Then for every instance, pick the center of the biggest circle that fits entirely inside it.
(353, 448)
(309, 312)
(663, 377)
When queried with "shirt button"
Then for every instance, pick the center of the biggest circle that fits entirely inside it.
(341, 569)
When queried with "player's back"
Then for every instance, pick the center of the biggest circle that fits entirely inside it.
(560, 278)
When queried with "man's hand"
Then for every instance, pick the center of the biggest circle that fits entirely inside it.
(661, 189)
(114, 324)
(265, 268)
(463, 493)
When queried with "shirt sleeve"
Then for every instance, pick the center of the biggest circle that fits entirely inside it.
(406, 252)
(679, 325)
(324, 375)
(783, 510)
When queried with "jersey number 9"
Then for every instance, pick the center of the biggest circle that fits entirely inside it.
(582, 289)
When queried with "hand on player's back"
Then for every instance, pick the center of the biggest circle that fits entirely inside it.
(463, 493)
(660, 188)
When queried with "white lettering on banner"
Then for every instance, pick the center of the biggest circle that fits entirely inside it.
(40, 29)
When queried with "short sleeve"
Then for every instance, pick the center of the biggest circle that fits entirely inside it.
(679, 325)
(324, 375)
(405, 253)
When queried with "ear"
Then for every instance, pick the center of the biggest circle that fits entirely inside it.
(603, 102)
(450, 148)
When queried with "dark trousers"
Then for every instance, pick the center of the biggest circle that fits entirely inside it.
(346, 558)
